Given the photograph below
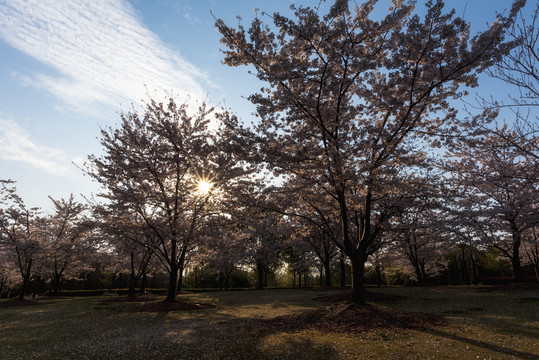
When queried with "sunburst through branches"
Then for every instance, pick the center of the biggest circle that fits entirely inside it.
(204, 185)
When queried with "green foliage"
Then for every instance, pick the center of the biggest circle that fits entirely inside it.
(209, 278)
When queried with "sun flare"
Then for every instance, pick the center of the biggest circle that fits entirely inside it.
(204, 187)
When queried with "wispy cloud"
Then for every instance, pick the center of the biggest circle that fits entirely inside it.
(101, 51)
(17, 145)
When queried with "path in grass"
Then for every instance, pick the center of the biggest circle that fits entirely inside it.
(497, 325)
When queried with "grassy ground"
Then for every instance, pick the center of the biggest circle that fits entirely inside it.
(482, 325)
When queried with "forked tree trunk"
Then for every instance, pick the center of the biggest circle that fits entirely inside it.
(357, 257)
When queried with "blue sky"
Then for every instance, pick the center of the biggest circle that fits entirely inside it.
(69, 67)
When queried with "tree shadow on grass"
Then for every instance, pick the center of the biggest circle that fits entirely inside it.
(352, 318)
(297, 348)
(482, 344)
(218, 336)
(15, 302)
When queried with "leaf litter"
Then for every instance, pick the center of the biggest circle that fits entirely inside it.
(345, 317)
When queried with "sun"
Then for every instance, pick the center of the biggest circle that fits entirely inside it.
(204, 186)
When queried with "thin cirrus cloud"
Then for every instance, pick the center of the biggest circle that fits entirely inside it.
(101, 52)
(16, 144)
(100, 55)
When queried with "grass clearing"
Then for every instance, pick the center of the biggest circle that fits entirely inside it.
(481, 324)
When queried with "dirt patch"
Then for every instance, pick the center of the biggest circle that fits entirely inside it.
(369, 296)
(353, 318)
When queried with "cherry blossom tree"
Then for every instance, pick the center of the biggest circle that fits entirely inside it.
(264, 242)
(325, 250)
(21, 232)
(519, 67)
(223, 249)
(299, 258)
(421, 241)
(161, 164)
(64, 242)
(348, 99)
(126, 232)
(497, 189)
(8, 273)
(530, 244)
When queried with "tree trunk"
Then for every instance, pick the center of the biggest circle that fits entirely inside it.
(25, 280)
(55, 284)
(465, 270)
(227, 280)
(418, 273)
(378, 270)
(220, 280)
(518, 274)
(180, 278)
(143, 282)
(132, 277)
(132, 284)
(260, 270)
(474, 278)
(343, 271)
(357, 257)
(172, 283)
(358, 280)
(327, 271)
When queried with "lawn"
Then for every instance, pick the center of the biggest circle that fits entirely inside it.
(477, 324)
